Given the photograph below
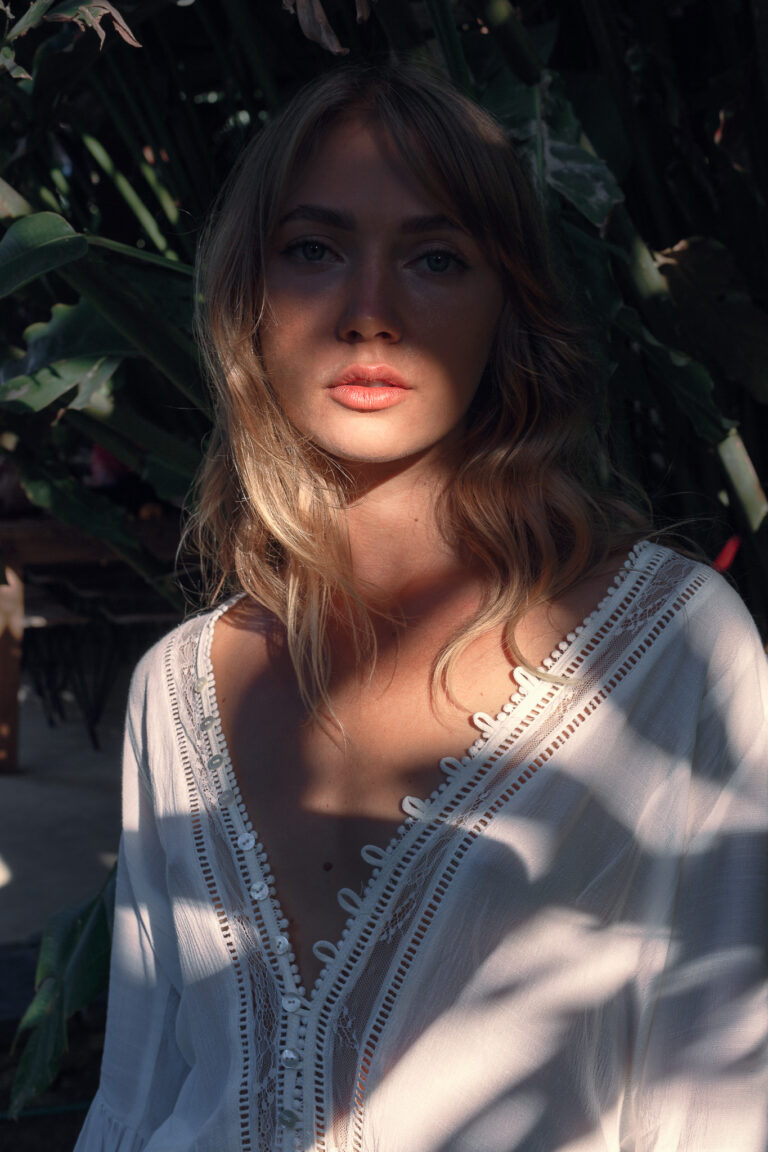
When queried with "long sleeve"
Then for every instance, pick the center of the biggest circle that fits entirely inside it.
(142, 1069)
(700, 1064)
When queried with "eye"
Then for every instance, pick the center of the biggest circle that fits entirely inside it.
(441, 260)
(309, 251)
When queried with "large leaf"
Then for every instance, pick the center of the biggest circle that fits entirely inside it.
(33, 393)
(583, 179)
(72, 969)
(164, 290)
(590, 259)
(73, 331)
(142, 322)
(717, 318)
(512, 102)
(685, 381)
(34, 245)
(32, 17)
(41, 1059)
(543, 120)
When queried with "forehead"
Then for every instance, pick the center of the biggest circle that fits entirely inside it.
(354, 163)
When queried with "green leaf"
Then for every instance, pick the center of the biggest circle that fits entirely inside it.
(41, 1058)
(73, 331)
(12, 203)
(688, 383)
(33, 393)
(25, 394)
(30, 19)
(592, 99)
(34, 245)
(582, 179)
(140, 255)
(72, 970)
(144, 324)
(9, 64)
(169, 481)
(166, 293)
(554, 139)
(512, 102)
(443, 21)
(177, 453)
(591, 264)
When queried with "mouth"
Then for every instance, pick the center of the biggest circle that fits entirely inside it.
(369, 388)
(369, 376)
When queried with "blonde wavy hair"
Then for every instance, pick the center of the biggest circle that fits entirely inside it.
(527, 503)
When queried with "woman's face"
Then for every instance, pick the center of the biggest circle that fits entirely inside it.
(382, 311)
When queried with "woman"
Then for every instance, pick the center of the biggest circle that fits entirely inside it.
(558, 948)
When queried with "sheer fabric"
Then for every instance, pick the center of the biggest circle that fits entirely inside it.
(561, 950)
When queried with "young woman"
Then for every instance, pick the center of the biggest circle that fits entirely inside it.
(553, 943)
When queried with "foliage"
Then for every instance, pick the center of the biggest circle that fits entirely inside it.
(643, 127)
(72, 969)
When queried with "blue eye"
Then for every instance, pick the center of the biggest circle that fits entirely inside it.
(441, 260)
(308, 251)
(313, 251)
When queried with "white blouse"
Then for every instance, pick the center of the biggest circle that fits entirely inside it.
(560, 951)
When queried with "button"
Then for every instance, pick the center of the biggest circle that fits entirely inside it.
(290, 1058)
(209, 723)
(246, 841)
(282, 945)
(291, 1003)
(215, 762)
(227, 797)
(260, 891)
(200, 683)
(287, 1118)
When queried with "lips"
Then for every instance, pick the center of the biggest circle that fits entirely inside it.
(368, 388)
(370, 375)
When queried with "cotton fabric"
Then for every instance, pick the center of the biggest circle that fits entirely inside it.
(561, 951)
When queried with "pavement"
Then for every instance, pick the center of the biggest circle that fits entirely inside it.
(59, 829)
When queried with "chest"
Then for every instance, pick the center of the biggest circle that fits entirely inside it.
(318, 792)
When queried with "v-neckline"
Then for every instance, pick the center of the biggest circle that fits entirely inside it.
(383, 861)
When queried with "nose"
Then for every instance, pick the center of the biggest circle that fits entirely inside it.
(370, 310)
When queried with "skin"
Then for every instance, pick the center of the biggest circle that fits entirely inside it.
(378, 286)
(373, 293)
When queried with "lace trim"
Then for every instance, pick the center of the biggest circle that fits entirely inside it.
(481, 823)
(454, 803)
(209, 876)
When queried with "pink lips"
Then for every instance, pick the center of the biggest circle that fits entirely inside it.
(368, 388)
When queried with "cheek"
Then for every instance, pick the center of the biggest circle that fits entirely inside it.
(471, 344)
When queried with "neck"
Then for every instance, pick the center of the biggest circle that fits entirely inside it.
(398, 552)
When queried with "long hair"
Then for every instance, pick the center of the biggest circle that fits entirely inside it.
(526, 503)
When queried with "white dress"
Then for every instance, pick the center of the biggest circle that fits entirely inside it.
(561, 951)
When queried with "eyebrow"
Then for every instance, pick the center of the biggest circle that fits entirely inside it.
(347, 223)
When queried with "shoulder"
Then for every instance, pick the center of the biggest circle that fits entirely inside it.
(704, 609)
(687, 582)
(169, 655)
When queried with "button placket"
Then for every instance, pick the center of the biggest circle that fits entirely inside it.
(292, 1024)
(291, 1058)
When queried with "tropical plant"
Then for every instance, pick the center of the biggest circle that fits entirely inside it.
(644, 127)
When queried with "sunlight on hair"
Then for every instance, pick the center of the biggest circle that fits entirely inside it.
(528, 503)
